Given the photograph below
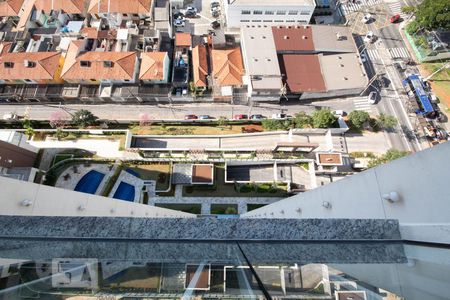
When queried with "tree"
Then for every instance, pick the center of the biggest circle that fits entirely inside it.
(386, 122)
(409, 10)
(271, 124)
(230, 210)
(433, 14)
(323, 118)
(28, 126)
(83, 118)
(357, 118)
(57, 119)
(144, 119)
(222, 121)
(302, 120)
(60, 134)
(390, 155)
(29, 131)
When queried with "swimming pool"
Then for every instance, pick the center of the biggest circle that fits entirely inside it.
(125, 192)
(89, 182)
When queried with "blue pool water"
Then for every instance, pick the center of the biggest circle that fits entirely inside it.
(125, 191)
(89, 182)
(133, 172)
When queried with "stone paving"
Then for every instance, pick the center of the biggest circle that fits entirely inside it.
(207, 201)
(75, 173)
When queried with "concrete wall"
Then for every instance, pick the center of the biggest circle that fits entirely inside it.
(50, 201)
(420, 179)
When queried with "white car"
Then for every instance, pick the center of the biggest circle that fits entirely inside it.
(366, 18)
(372, 98)
(191, 9)
(369, 37)
(279, 116)
(339, 113)
(178, 23)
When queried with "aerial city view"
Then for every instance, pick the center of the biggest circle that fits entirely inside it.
(225, 149)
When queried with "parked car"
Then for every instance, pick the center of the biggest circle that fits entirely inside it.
(279, 116)
(215, 4)
(190, 14)
(178, 23)
(191, 9)
(395, 18)
(340, 113)
(363, 57)
(240, 117)
(369, 37)
(372, 98)
(205, 117)
(215, 13)
(215, 24)
(256, 117)
(400, 66)
(11, 116)
(366, 19)
(190, 117)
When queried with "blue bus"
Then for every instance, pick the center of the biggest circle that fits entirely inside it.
(417, 86)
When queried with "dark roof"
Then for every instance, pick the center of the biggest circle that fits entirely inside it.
(301, 73)
(293, 38)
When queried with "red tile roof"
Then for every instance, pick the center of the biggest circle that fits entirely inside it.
(10, 8)
(122, 67)
(302, 73)
(42, 65)
(227, 67)
(120, 6)
(200, 66)
(152, 66)
(183, 39)
(68, 6)
(293, 38)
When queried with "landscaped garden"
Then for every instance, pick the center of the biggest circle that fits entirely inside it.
(157, 172)
(222, 189)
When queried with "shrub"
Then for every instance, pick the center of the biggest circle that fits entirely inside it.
(358, 118)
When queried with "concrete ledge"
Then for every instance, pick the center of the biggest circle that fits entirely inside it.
(198, 229)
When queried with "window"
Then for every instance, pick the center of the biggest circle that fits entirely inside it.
(245, 21)
(305, 13)
(8, 64)
(279, 21)
(136, 15)
(94, 80)
(245, 12)
(126, 80)
(125, 15)
(257, 12)
(293, 12)
(290, 21)
(85, 63)
(28, 80)
(268, 21)
(256, 21)
(281, 12)
(108, 64)
(268, 12)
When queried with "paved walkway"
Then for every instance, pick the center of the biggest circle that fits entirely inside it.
(101, 147)
(207, 201)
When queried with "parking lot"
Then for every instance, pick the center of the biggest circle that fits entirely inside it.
(202, 22)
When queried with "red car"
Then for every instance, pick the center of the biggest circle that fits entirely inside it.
(190, 117)
(240, 117)
(395, 18)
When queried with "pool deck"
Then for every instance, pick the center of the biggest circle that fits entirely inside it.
(82, 170)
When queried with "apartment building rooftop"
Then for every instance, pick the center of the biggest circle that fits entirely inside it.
(271, 3)
(302, 73)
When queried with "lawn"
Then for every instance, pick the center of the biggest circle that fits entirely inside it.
(189, 208)
(222, 189)
(440, 82)
(224, 209)
(157, 172)
(60, 157)
(186, 130)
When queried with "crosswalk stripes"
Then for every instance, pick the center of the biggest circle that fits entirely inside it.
(396, 8)
(373, 54)
(362, 104)
(399, 53)
(359, 5)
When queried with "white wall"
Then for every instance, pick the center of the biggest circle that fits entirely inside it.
(51, 201)
(234, 14)
(421, 180)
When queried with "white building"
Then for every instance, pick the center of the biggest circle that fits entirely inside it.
(269, 12)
